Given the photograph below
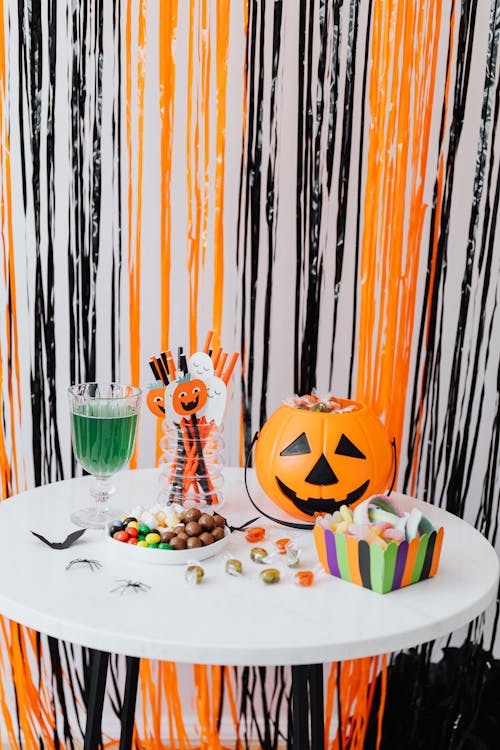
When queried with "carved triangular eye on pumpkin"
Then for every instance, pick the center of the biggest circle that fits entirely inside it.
(313, 462)
(347, 448)
(298, 447)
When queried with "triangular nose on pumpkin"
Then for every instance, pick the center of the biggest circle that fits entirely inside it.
(322, 473)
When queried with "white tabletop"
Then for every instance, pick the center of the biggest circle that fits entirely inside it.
(224, 620)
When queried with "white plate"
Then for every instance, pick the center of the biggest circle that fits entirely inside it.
(166, 556)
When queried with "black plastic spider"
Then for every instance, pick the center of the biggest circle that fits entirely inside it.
(134, 585)
(93, 564)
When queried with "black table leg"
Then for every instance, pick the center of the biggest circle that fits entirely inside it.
(300, 708)
(316, 706)
(129, 699)
(308, 728)
(98, 671)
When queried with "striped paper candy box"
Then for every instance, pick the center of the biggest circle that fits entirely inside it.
(370, 566)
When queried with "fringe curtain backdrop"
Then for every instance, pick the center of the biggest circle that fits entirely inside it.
(318, 181)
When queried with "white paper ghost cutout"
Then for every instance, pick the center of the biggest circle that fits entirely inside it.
(200, 365)
(213, 411)
(171, 417)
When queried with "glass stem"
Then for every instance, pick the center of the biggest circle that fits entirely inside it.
(102, 493)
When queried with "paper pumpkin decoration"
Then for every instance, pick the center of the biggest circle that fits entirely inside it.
(311, 463)
(155, 400)
(189, 396)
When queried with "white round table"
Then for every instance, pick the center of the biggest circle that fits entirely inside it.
(225, 620)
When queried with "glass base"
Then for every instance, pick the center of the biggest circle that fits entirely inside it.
(91, 518)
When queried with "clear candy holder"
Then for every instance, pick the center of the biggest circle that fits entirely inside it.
(191, 465)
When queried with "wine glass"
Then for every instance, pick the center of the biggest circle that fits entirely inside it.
(103, 428)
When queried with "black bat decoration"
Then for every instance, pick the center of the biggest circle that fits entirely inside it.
(70, 539)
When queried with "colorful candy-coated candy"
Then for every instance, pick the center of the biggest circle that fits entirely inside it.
(143, 529)
(164, 545)
(148, 519)
(132, 525)
(142, 543)
(132, 540)
(255, 534)
(304, 578)
(129, 519)
(116, 526)
(154, 545)
(132, 531)
(121, 536)
(153, 538)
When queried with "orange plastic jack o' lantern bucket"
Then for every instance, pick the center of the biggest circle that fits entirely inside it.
(312, 462)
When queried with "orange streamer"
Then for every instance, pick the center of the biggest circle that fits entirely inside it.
(402, 79)
(205, 180)
(167, 38)
(222, 53)
(9, 471)
(134, 247)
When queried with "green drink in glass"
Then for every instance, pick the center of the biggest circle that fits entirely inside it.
(103, 427)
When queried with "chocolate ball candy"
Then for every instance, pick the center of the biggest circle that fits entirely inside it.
(193, 542)
(167, 536)
(206, 538)
(218, 533)
(219, 521)
(270, 576)
(179, 527)
(193, 514)
(206, 522)
(177, 543)
(193, 528)
(182, 535)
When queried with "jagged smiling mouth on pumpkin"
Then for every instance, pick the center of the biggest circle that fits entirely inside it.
(191, 405)
(312, 505)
